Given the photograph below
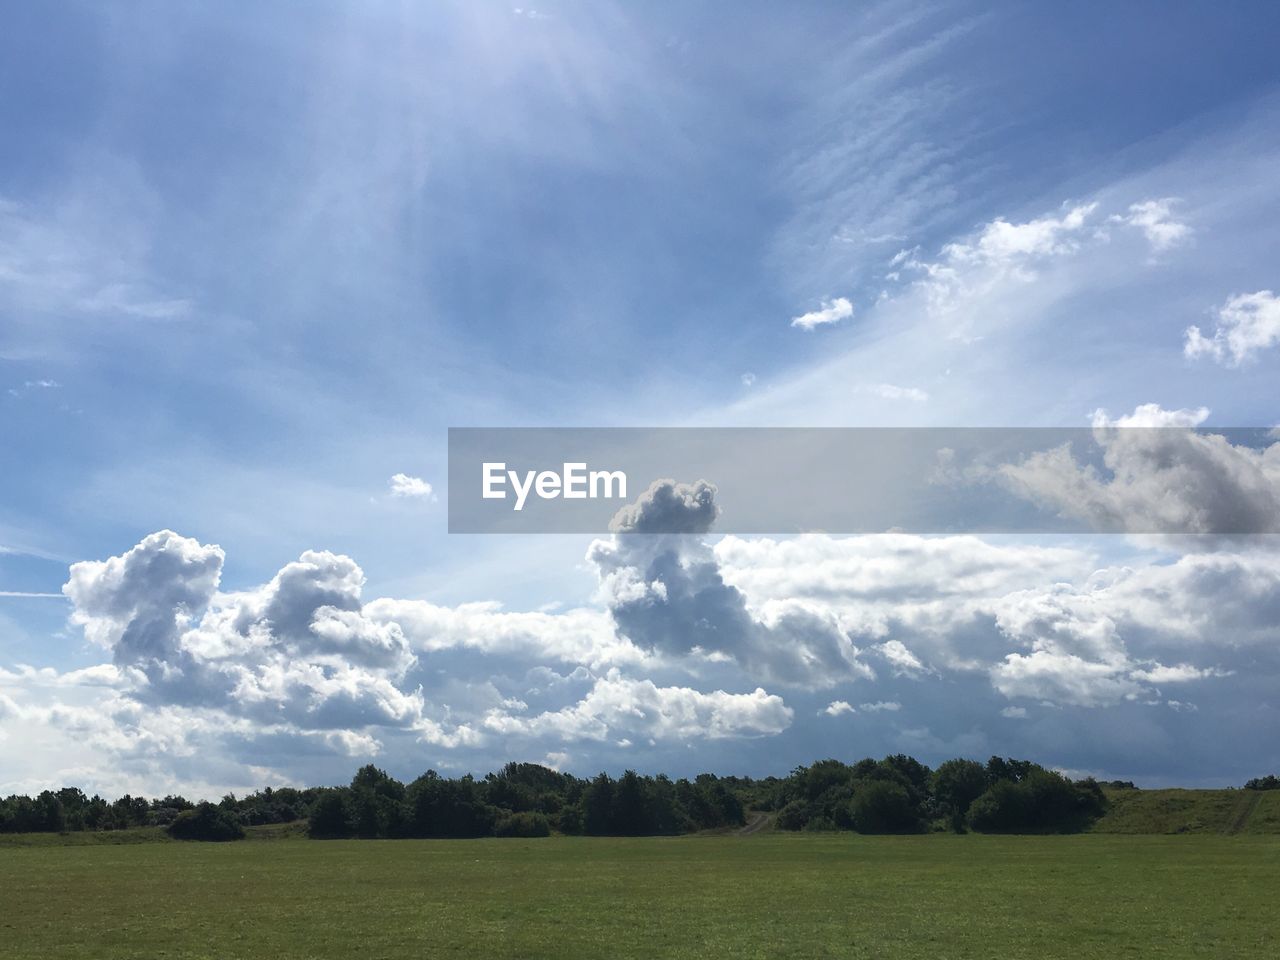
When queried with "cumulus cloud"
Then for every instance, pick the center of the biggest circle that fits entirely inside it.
(297, 650)
(304, 663)
(1247, 324)
(578, 636)
(1042, 623)
(403, 485)
(837, 708)
(669, 507)
(1156, 479)
(831, 311)
(666, 594)
(618, 706)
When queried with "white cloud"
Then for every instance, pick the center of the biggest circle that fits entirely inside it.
(1063, 677)
(619, 705)
(1014, 713)
(900, 658)
(1171, 481)
(403, 485)
(1156, 221)
(831, 311)
(1247, 324)
(837, 707)
(881, 706)
(891, 391)
(1002, 242)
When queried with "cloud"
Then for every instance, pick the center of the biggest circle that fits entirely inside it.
(1156, 221)
(880, 706)
(403, 485)
(1002, 242)
(669, 507)
(301, 673)
(295, 650)
(666, 594)
(1061, 677)
(890, 391)
(78, 260)
(577, 636)
(1014, 713)
(1156, 479)
(618, 706)
(1247, 324)
(831, 311)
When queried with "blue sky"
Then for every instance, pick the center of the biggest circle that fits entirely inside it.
(253, 264)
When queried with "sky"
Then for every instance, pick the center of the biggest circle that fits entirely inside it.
(254, 263)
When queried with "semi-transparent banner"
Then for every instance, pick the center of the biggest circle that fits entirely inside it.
(1153, 480)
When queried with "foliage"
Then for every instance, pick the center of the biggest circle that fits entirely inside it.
(524, 824)
(1269, 782)
(896, 794)
(1040, 801)
(206, 822)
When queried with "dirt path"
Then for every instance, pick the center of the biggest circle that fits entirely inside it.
(755, 823)
(1244, 810)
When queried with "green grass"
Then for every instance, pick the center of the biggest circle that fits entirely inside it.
(1191, 811)
(775, 895)
(94, 838)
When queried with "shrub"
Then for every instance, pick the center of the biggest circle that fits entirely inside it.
(1269, 782)
(331, 817)
(523, 825)
(882, 806)
(793, 816)
(206, 822)
(1040, 802)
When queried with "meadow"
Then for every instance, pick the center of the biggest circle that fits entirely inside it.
(765, 895)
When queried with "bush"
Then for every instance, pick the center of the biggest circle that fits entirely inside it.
(1040, 802)
(882, 806)
(331, 817)
(206, 822)
(523, 825)
(1269, 782)
(793, 816)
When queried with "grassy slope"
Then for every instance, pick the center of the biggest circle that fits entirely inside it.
(763, 896)
(1191, 811)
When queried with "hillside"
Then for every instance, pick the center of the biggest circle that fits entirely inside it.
(1191, 811)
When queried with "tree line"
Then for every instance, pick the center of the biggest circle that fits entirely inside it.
(896, 794)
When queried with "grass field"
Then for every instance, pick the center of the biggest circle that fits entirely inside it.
(770, 895)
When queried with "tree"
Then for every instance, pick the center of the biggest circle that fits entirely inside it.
(1041, 801)
(883, 806)
(956, 784)
(206, 822)
(630, 807)
(525, 824)
(331, 816)
(597, 807)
